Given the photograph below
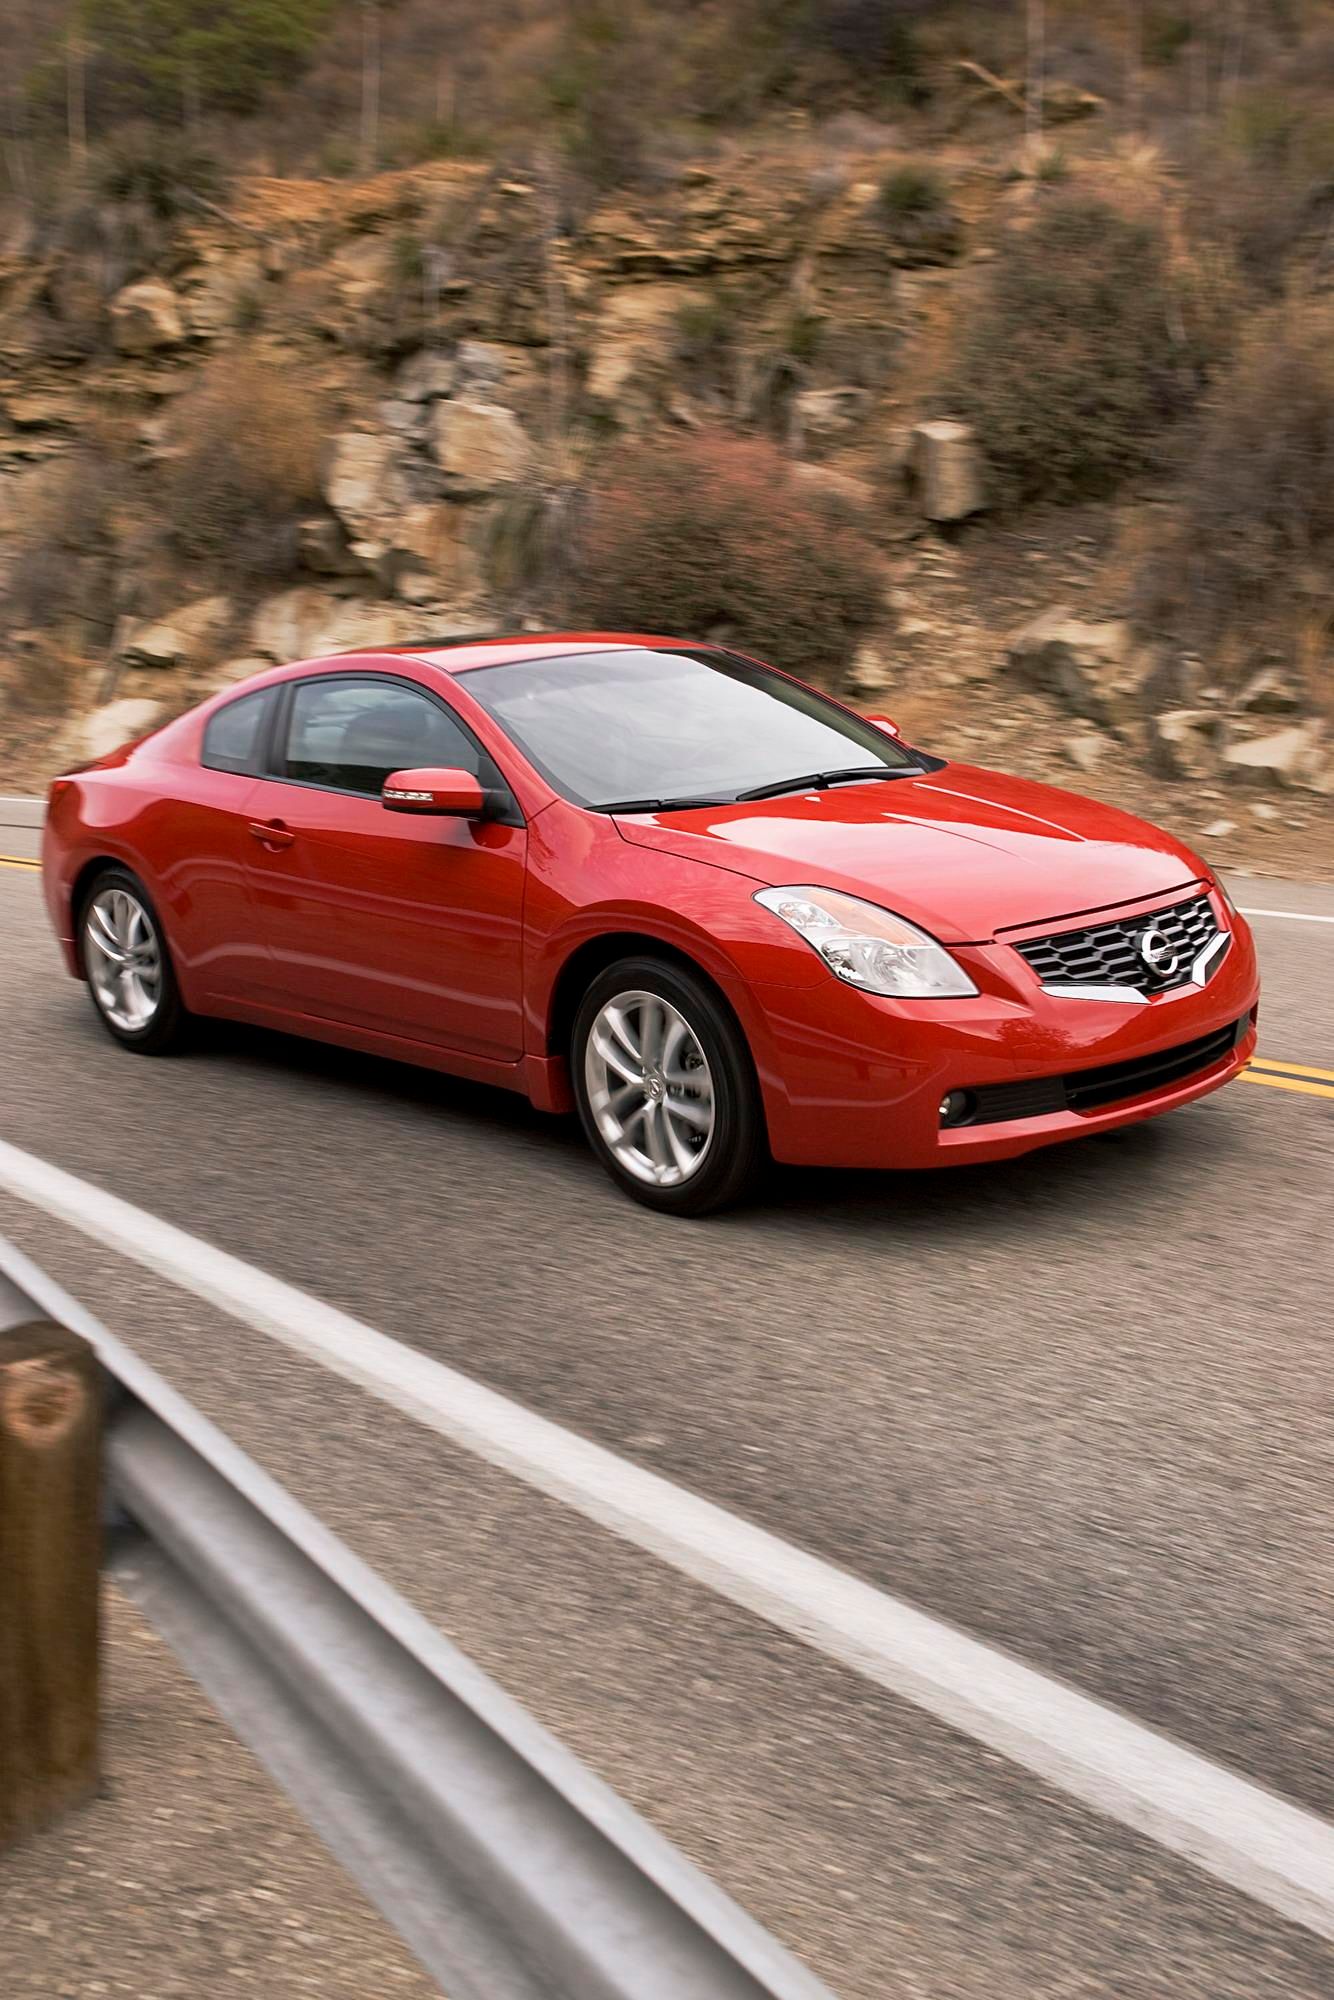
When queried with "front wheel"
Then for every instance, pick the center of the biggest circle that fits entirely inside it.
(127, 965)
(665, 1087)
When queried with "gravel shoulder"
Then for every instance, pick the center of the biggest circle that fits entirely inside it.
(190, 1874)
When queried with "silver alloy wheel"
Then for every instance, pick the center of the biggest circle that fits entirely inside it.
(123, 959)
(650, 1088)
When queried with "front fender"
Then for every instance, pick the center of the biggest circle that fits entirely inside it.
(702, 913)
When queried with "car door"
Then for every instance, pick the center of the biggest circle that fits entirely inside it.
(409, 926)
(196, 845)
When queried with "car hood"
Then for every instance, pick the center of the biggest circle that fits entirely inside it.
(963, 851)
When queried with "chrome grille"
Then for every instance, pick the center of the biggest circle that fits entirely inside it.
(1110, 955)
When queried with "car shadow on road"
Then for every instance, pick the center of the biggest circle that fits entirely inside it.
(1131, 1170)
(1134, 1163)
(377, 1077)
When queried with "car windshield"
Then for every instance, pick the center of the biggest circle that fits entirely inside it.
(660, 727)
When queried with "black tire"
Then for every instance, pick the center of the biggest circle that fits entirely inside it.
(737, 1144)
(167, 1028)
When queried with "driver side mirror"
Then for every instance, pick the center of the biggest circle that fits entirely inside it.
(434, 791)
(885, 722)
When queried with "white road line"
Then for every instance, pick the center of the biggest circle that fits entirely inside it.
(1293, 916)
(1275, 1851)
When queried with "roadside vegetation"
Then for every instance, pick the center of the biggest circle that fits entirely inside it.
(1108, 253)
(1079, 357)
(715, 536)
(241, 465)
(1251, 552)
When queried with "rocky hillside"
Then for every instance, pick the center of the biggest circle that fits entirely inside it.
(327, 412)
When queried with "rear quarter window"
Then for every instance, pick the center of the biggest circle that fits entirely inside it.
(233, 735)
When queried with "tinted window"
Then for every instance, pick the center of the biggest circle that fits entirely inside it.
(232, 734)
(616, 726)
(350, 735)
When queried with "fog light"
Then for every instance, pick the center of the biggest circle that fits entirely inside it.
(957, 1108)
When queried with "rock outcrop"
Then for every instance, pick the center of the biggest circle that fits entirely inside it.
(633, 341)
(479, 447)
(105, 729)
(146, 318)
(301, 623)
(1093, 670)
(1297, 755)
(365, 487)
(1184, 743)
(183, 637)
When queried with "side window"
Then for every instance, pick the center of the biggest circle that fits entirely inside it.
(232, 734)
(350, 735)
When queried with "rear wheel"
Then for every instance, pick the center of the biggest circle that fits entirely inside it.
(665, 1087)
(127, 964)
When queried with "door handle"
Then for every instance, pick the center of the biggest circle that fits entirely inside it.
(272, 834)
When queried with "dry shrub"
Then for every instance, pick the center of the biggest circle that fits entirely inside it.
(245, 464)
(1077, 358)
(913, 206)
(64, 565)
(1252, 553)
(1264, 184)
(712, 536)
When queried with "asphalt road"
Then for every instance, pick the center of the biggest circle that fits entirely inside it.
(1078, 1405)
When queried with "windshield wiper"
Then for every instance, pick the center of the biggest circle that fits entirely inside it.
(815, 781)
(657, 805)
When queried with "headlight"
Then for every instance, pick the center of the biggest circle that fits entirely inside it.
(1224, 897)
(869, 947)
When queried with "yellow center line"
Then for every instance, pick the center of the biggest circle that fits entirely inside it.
(1292, 1069)
(17, 861)
(1289, 1083)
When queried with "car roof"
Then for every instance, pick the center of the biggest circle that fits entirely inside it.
(460, 655)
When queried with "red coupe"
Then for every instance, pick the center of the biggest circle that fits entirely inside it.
(720, 913)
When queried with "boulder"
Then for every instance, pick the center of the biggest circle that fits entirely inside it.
(1184, 743)
(824, 413)
(38, 412)
(221, 295)
(146, 317)
(945, 469)
(1092, 669)
(323, 547)
(182, 638)
(117, 722)
(1293, 756)
(365, 487)
(302, 623)
(396, 413)
(426, 375)
(1269, 693)
(1086, 751)
(870, 671)
(429, 557)
(481, 364)
(1218, 829)
(479, 447)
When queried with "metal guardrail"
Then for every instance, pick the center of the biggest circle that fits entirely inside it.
(21, 811)
(508, 1868)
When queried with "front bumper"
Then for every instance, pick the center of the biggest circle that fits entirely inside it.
(854, 1081)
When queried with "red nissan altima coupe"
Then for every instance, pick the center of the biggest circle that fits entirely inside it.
(718, 912)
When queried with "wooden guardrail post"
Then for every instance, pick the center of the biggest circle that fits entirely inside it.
(50, 1536)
